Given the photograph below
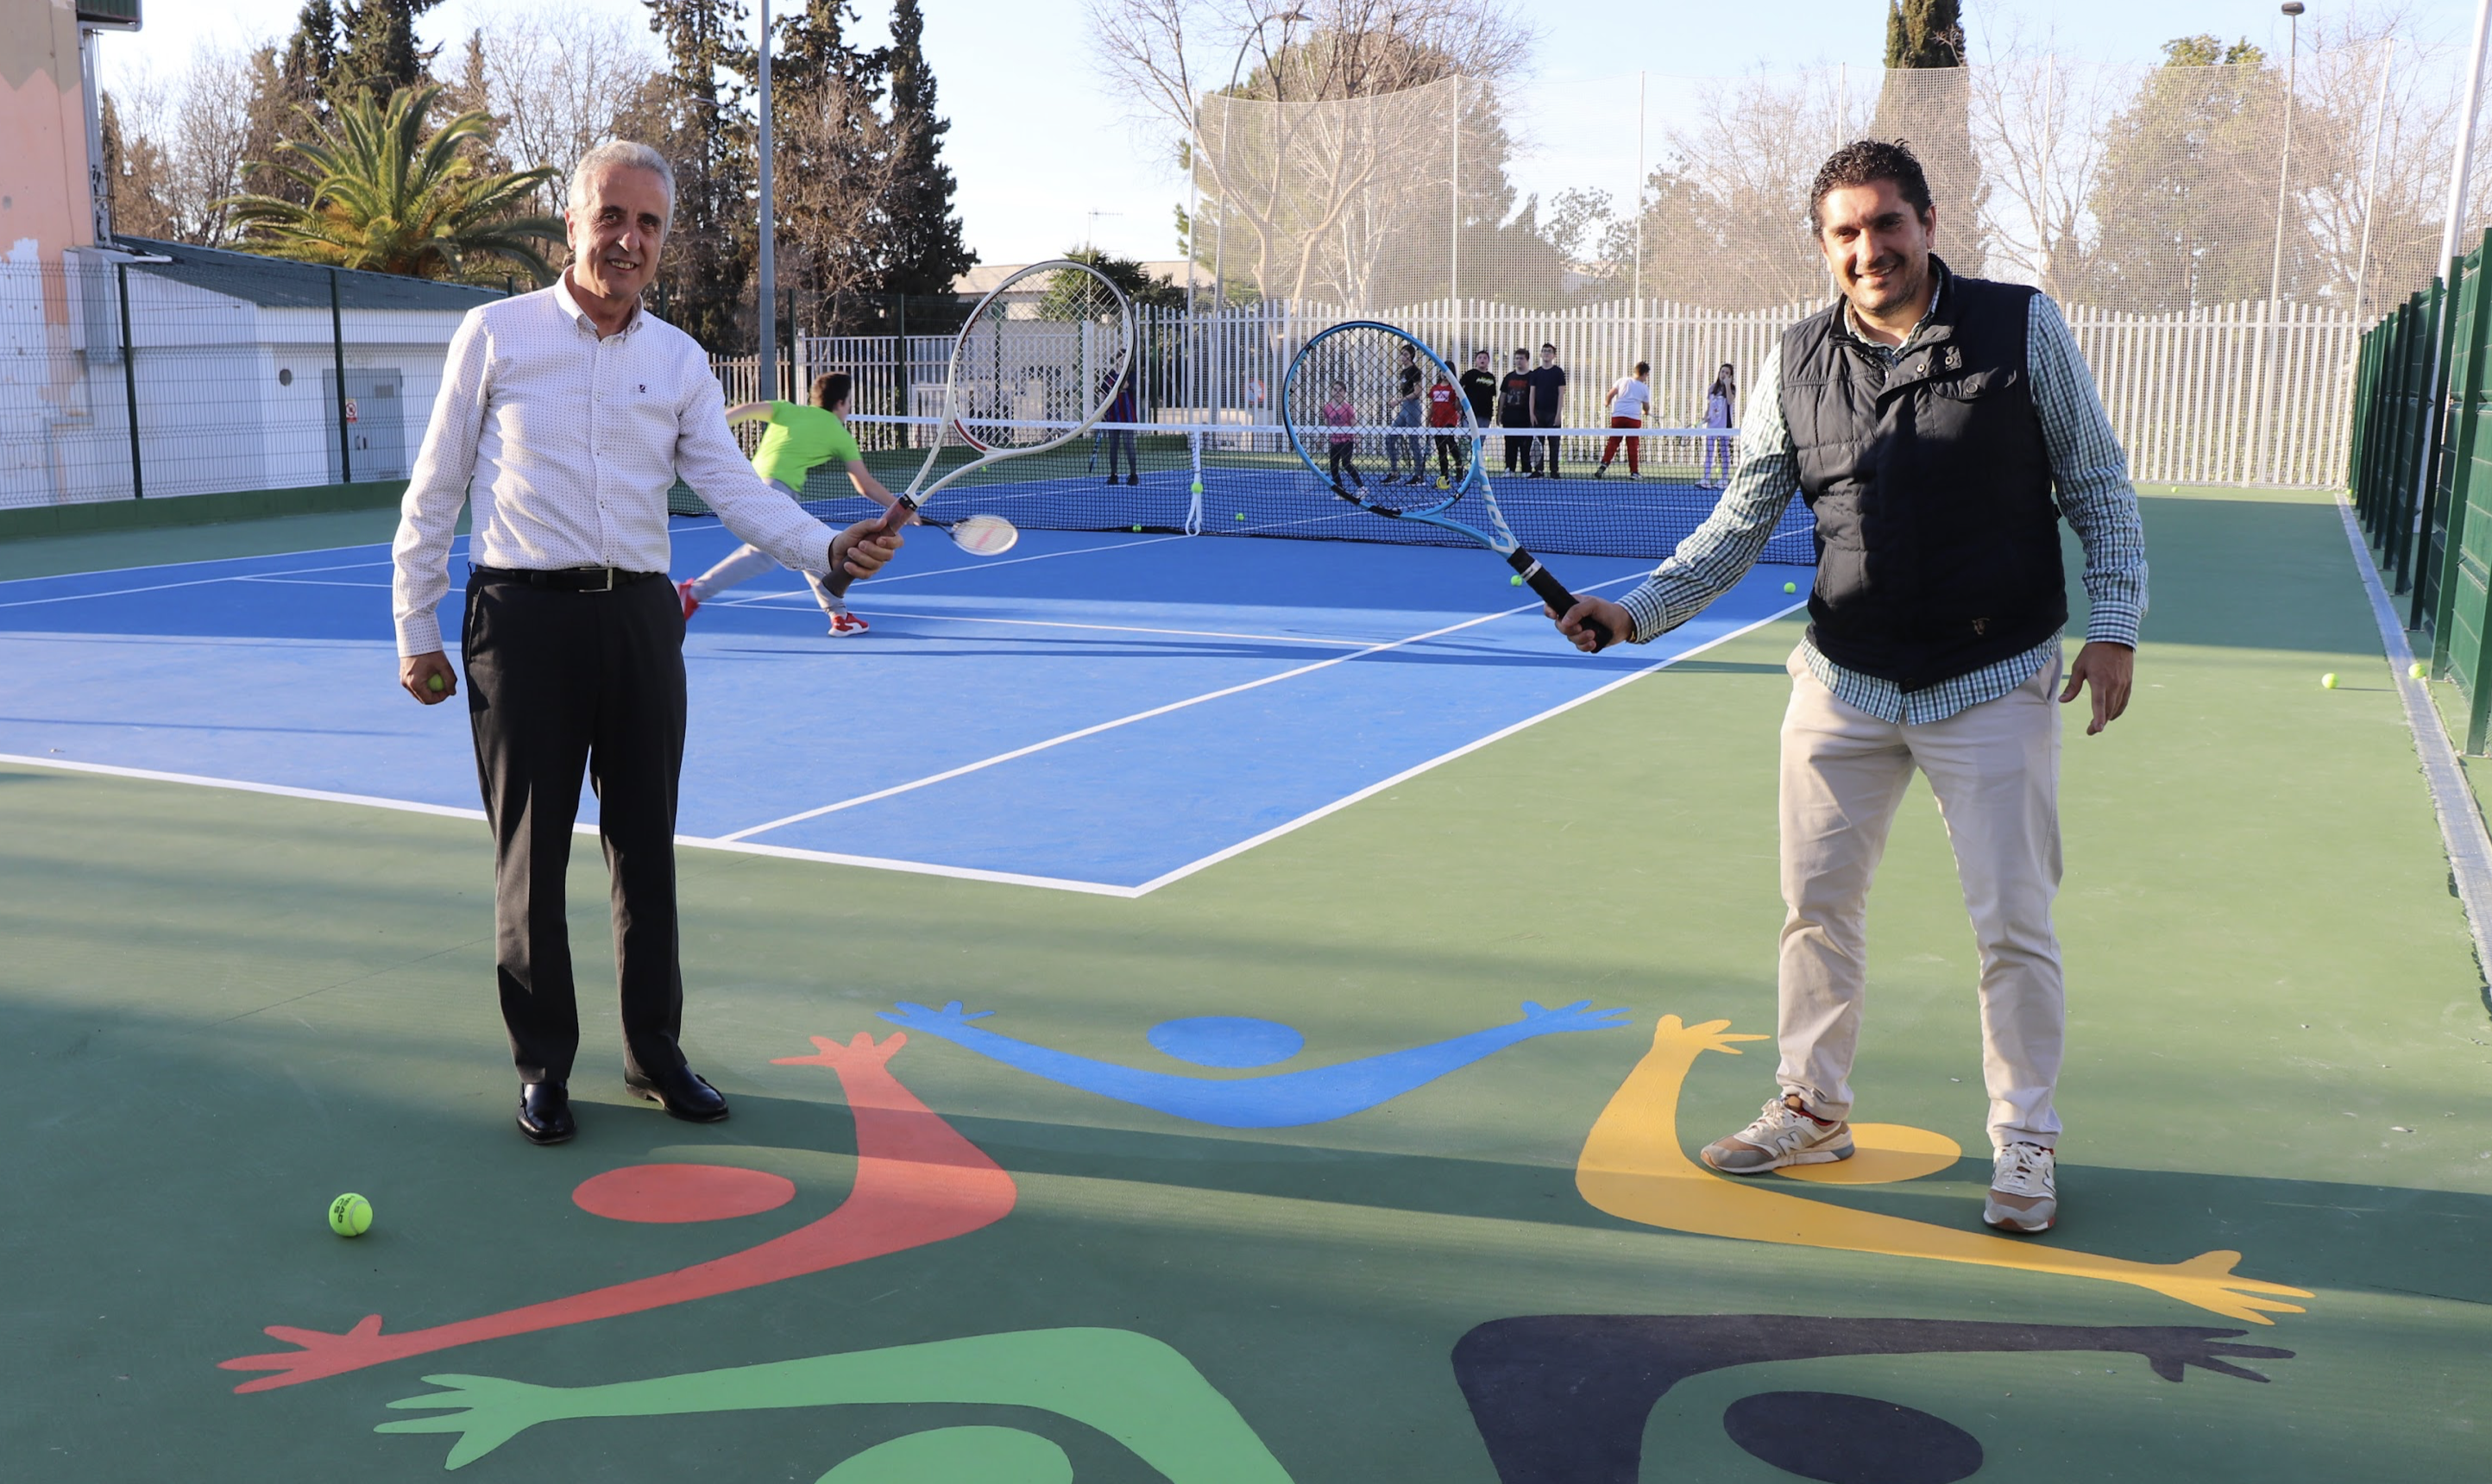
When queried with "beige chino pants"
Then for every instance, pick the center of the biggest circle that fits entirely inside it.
(1995, 768)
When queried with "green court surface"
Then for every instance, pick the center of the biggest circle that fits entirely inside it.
(219, 1009)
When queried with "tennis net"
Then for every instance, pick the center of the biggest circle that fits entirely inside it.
(1242, 478)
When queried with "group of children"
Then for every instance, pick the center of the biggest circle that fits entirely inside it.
(1527, 396)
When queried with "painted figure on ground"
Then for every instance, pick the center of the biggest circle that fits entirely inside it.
(917, 1182)
(1279, 1100)
(1130, 1386)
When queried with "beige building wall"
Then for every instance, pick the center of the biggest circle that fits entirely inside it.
(45, 202)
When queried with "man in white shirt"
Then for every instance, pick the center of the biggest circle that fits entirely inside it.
(566, 415)
(1629, 397)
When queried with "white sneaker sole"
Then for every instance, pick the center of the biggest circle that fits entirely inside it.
(2006, 1218)
(1816, 1156)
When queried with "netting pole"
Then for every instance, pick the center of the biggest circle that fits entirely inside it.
(1454, 241)
(2371, 186)
(1638, 277)
(130, 384)
(2262, 437)
(765, 369)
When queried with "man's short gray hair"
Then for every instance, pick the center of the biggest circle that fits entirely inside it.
(621, 155)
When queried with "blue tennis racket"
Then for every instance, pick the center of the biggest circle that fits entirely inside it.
(1364, 389)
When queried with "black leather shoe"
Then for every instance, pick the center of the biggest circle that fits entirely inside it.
(682, 1093)
(544, 1112)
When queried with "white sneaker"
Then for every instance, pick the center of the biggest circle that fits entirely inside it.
(2024, 1189)
(1786, 1133)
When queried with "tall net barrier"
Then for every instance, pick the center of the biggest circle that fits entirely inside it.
(2218, 235)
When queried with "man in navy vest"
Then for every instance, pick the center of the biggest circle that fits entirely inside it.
(1938, 426)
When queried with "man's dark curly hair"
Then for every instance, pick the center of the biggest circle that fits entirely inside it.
(1863, 161)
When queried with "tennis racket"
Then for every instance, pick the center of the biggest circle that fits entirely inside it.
(1352, 390)
(978, 535)
(1038, 362)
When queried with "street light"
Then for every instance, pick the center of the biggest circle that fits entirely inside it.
(2275, 262)
(1220, 234)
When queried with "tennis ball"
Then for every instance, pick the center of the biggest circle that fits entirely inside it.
(1515, 580)
(1138, 527)
(2328, 681)
(1241, 515)
(351, 1215)
(435, 684)
(1791, 587)
(2414, 672)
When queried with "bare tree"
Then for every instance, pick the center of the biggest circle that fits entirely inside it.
(2038, 121)
(556, 79)
(1316, 192)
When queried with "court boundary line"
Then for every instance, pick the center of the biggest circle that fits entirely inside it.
(2461, 826)
(1290, 826)
(1082, 733)
(477, 816)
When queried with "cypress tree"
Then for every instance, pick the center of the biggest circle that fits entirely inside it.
(1926, 101)
(1924, 33)
(926, 253)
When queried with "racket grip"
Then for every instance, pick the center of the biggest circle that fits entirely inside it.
(896, 517)
(1544, 582)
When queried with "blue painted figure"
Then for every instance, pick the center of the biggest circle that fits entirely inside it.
(1276, 1100)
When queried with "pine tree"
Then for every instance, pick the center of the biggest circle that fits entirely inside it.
(705, 131)
(926, 253)
(380, 55)
(1924, 33)
(1926, 101)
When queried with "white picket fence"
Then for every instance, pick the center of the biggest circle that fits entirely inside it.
(2212, 396)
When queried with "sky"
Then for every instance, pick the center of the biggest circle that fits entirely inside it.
(1049, 157)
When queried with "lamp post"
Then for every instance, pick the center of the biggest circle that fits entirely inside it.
(2275, 261)
(765, 290)
(1220, 233)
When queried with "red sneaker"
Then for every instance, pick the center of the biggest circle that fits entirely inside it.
(692, 605)
(844, 625)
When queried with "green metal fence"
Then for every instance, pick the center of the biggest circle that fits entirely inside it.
(2421, 473)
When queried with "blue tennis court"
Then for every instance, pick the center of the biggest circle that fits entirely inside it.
(1095, 711)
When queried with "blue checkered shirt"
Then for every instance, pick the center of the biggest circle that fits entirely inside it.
(2088, 470)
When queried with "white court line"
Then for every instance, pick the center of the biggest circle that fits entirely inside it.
(124, 592)
(737, 845)
(443, 811)
(1103, 628)
(1442, 759)
(284, 581)
(1076, 735)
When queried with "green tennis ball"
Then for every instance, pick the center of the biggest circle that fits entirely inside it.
(1138, 527)
(2414, 672)
(435, 684)
(2328, 681)
(351, 1215)
(1198, 487)
(1791, 587)
(1515, 580)
(1241, 515)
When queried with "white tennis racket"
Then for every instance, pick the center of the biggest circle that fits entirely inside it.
(1038, 362)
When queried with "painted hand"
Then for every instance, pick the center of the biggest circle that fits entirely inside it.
(1712, 1036)
(321, 1354)
(860, 1050)
(2170, 1351)
(490, 1411)
(917, 1016)
(1579, 1015)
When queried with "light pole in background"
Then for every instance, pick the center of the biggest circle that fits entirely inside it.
(765, 290)
(2275, 260)
(1220, 233)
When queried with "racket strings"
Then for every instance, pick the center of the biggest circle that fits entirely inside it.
(1383, 422)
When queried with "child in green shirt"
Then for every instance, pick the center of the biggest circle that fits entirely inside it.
(800, 438)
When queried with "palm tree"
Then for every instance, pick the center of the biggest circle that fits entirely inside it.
(386, 197)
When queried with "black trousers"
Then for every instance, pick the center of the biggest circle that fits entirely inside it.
(1521, 451)
(558, 684)
(1546, 461)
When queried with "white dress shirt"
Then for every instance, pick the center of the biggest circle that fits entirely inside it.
(571, 443)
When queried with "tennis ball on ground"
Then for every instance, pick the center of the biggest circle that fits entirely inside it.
(1515, 580)
(434, 683)
(2414, 672)
(1138, 527)
(2328, 681)
(351, 1215)
(1791, 587)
